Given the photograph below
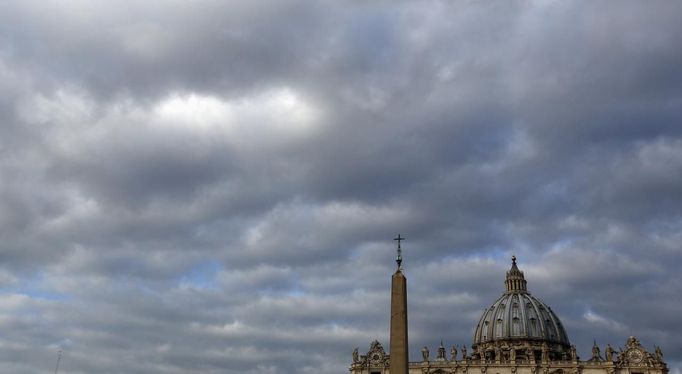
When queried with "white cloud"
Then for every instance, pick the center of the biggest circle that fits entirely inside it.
(271, 116)
(603, 322)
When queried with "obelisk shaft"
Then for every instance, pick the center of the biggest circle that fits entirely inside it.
(398, 344)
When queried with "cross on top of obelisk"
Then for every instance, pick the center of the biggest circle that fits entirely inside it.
(399, 258)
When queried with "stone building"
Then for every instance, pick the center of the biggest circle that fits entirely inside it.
(517, 334)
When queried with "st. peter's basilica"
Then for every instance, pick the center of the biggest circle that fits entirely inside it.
(517, 334)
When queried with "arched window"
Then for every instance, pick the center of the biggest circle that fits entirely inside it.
(516, 326)
(550, 328)
(534, 327)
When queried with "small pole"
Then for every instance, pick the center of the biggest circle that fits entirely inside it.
(59, 358)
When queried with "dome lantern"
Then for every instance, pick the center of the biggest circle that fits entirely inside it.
(515, 281)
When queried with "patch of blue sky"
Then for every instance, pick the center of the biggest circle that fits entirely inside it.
(44, 294)
(297, 292)
(202, 275)
(561, 245)
(37, 287)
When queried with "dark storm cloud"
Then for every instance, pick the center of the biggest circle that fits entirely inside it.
(213, 186)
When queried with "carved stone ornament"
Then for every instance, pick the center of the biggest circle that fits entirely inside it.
(634, 354)
(376, 356)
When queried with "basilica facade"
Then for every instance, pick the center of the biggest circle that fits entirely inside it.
(517, 334)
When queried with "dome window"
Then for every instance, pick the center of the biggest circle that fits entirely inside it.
(516, 326)
(533, 327)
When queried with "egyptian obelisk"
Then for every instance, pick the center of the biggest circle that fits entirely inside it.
(398, 344)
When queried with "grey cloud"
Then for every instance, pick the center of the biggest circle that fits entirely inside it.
(212, 187)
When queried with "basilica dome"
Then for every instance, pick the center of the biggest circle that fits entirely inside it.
(518, 320)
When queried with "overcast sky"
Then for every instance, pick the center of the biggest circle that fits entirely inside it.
(213, 187)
